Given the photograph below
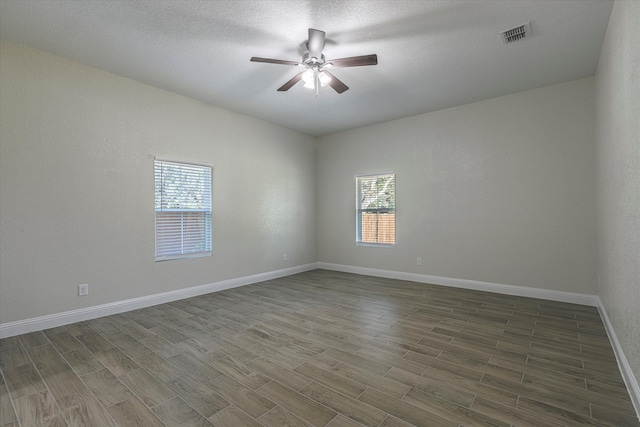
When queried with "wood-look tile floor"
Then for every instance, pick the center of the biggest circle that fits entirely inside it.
(321, 348)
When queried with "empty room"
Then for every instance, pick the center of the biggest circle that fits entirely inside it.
(319, 213)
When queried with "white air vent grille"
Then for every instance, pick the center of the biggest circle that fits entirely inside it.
(518, 33)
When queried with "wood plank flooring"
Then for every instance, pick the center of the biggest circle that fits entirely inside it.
(321, 348)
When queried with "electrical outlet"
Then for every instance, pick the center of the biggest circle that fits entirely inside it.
(284, 258)
(83, 290)
(419, 261)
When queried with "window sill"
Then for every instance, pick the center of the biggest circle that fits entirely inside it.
(173, 257)
(376, 245)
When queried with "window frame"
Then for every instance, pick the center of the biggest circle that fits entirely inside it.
(360, 211)
(206, 236)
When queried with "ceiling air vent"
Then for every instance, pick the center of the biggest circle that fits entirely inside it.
(517, 33)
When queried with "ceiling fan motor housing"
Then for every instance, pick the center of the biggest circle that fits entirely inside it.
(309, 61)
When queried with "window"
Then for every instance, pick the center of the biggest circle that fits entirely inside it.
(183, 210)
(376, 209)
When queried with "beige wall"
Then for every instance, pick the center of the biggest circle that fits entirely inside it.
(76, 187)
(500, 191)
(618, 166)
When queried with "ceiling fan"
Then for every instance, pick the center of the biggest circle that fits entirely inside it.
(316, 73)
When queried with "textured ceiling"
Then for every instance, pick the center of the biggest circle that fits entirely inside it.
(431, 54)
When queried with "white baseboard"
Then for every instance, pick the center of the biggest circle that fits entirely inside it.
(546, 294)
(623, 364)
(58, 319)
(522, 291)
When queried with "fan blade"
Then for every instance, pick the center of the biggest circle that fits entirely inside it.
(315, 44)
(273, 61)
(336, 83)
(354, 61)
(291, 82)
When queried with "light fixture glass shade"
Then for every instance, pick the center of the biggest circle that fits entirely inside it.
(309, 76)
(324, 78)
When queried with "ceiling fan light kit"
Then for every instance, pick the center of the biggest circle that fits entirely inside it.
(311, 77)
(316, 74)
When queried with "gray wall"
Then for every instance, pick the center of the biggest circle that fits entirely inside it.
(77, 193)
(618, 166)
(500, 191)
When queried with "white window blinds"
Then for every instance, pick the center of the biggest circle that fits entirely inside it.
(183, 210)
(376, 209)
